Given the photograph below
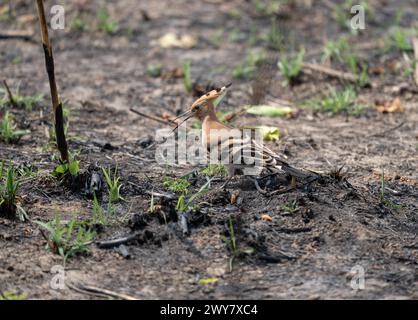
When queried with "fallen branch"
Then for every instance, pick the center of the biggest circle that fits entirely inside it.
(331, 72)
(232, 116)
(415, 45)
(380, 134)
(294, 230)
(106, 244)
(16, 34)
(56, 104)
(98, 291)
(9, 94)
(160, 120)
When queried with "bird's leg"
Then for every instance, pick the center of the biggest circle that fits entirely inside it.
(223, 186)
(231, 172)
(259, 189)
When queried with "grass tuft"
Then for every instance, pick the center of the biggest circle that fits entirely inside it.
(338, 102)
(291, 66)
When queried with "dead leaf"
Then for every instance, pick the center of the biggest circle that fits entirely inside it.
(377, 70)
(171, 40)
(234, 197)
(176, 73)
(26, 18)
(390, 106)
(166, 115)
(266, 217)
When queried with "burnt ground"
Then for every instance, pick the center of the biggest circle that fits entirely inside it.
(338, 222)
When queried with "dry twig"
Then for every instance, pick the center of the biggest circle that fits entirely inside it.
(331, 72)
(16, 34)
(98, 291)
(160, 120)
(9, 94)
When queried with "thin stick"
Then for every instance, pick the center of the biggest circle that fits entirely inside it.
(160, 120)
(233, 115)
(9, 94)
(331, 72)
(99, 292)
(56, 104)
(116, 242)
(415, 45)
(16, 34)
(388, 130)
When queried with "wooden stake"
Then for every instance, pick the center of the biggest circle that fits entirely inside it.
(9, 94)
(415, 45)
(56, 104)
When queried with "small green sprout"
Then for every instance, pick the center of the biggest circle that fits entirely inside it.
(113, 185)
(105, 24)
(8, 132)
(65, 239)
(187, 77)
(338, 102)
(214, 170)
(291, 67)
(176, 185)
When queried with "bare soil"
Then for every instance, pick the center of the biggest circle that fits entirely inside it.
(339, 222)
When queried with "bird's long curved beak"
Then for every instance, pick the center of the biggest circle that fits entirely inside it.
(184, 114)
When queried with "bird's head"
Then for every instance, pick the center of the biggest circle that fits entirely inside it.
(205, 103)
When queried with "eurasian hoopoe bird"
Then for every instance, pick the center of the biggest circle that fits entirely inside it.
(216, 136)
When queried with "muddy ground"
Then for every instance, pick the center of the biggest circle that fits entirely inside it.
(336, 223)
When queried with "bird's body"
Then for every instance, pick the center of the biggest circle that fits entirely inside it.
(235, 147)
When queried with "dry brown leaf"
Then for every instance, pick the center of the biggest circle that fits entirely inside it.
(234, 197)
(26, 18)
(176, 73)
(390, 106)
(377, 70)
(266, 217)
(166, 115)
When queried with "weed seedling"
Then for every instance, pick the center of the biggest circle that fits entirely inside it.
(274, 37)
(291, 67)
(113, 185)
(8, 194)
(399, 40)
(184, 204)
(187, 77)
(176, 185)
(99, 216)
(66, 240)
(27, 102)
(213, 170)
(154, 70)
(267, 7)
(78, 25)
(246, 69)
(8, 132)
(11, 295)
(105, 24)
(338, 102)
(336, 50)
(65, 169)
(291, 206)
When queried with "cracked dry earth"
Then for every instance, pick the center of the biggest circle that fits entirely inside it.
(306, 253)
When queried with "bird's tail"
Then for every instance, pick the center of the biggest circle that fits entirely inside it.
(294, 172)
